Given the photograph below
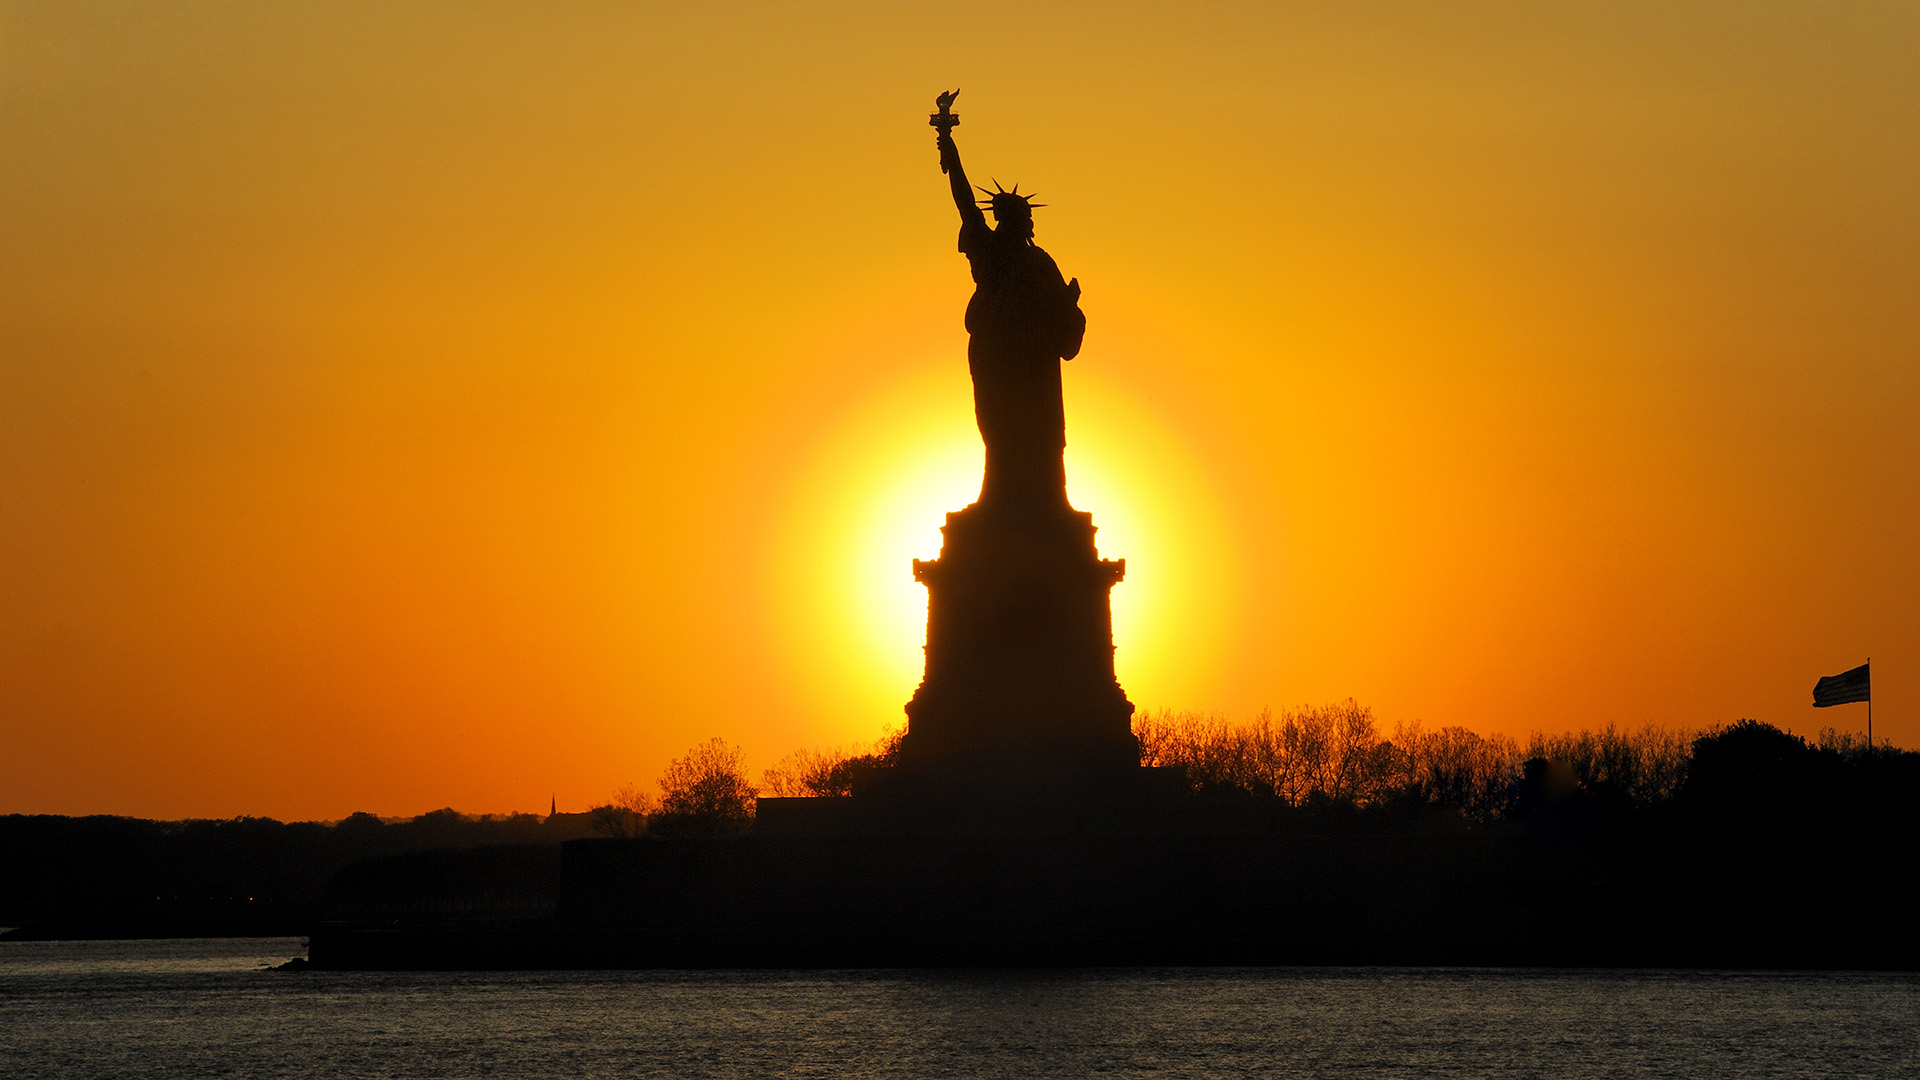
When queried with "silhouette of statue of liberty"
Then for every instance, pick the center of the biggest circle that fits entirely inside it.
(1023, 320)
(1019, 678)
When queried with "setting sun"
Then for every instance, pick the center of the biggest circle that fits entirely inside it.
(877, 488)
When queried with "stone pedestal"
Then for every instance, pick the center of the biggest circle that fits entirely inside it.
(1019, 676)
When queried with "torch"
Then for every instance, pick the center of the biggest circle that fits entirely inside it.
(944, 120)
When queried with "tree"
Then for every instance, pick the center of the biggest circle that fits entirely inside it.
(1754, 773)
(1458, 769)
(1330, 754)
(625, 815)
(706, 793)
(815, 774)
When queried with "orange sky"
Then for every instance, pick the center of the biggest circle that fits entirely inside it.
(463, 404)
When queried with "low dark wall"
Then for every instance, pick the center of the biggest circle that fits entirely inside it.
(1491, 897)
(1032, 900)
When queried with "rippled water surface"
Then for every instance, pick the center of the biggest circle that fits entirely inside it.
(206, 1008)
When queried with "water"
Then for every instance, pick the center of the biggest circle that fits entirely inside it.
(207, 1009)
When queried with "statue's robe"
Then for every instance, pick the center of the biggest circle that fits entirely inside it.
(1023, 320)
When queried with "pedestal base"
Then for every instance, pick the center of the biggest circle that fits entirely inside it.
(1019, 676)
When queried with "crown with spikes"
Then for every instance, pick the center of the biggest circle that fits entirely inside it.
(1003, 201)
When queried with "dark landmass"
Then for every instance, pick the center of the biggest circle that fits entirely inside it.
(1770, 852)
(119, 877)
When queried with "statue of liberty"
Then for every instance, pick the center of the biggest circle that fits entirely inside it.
(1019, 672)
(1023, 320)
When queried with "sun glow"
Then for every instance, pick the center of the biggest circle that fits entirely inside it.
(906, 502)
(877, 490)
(1155, 508)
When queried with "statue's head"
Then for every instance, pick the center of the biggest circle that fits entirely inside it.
(1012, 211)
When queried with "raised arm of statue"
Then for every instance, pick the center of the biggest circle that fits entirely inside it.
(970, 213)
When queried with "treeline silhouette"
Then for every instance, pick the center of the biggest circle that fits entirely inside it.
(106, 876)
(707, 793)
(1334, 759)
(1327, 761)
(1334, 756)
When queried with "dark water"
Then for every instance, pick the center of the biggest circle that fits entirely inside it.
(204, 1008)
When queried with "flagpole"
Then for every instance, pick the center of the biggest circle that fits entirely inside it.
(1869, 708)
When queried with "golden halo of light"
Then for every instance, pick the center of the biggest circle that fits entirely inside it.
(874, 492)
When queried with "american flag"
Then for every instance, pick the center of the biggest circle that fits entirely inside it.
(1843, 688)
